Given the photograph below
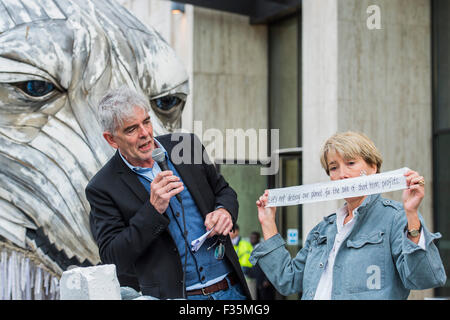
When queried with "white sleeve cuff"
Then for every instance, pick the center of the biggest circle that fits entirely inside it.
(421, 242)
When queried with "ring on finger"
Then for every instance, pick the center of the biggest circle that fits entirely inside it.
(420, 181)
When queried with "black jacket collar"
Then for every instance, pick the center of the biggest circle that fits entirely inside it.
(130, 178)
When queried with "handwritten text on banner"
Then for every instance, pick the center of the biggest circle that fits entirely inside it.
(339, 189)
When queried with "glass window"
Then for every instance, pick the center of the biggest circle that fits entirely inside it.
(284, 101)
(285, 115)
(441, 130)
(442, 204)
(441, 47)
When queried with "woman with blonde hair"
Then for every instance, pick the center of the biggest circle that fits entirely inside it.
(371, 248)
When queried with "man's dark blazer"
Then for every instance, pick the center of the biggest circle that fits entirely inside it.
(131, 234)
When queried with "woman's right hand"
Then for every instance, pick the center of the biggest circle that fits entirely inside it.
(266, 216)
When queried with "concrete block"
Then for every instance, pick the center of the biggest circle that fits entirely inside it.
(90, 283)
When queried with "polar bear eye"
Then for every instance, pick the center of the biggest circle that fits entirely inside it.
(36, 88)
(166, 103)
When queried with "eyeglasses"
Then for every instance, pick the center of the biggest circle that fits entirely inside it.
(219, 252)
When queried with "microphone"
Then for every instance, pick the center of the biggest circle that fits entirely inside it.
(159, 156)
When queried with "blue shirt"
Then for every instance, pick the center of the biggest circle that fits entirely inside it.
(202, 269)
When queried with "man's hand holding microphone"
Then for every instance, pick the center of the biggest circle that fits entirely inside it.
(166, 185)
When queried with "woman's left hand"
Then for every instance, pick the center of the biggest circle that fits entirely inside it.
(412, 197)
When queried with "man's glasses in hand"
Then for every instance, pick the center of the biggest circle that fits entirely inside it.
(219, 252)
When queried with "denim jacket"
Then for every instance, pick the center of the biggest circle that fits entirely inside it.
(375, 261)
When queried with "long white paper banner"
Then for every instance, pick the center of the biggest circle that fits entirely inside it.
(339, 189)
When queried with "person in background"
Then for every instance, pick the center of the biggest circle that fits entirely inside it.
(255, 238)
(243, 250)
(371, 248)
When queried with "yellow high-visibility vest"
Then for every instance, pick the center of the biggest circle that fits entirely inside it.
(243, 250)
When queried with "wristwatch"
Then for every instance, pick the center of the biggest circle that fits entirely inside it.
(414, 232)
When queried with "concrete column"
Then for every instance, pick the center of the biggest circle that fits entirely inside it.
(230, 71)
(376, 81)
(320, 96)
